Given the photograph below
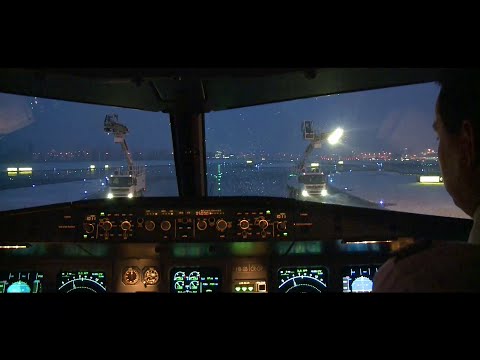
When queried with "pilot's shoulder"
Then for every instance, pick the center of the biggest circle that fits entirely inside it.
(412, 248)
(431, 266)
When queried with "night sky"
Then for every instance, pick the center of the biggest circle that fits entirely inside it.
(387, 119)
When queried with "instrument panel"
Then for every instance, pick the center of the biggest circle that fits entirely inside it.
(236, 245)
(244, 277)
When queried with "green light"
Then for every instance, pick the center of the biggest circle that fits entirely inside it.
(218, 189)
(268, 212)
(285, 234)
(102, 214)
(237, 288)
(244, 288)
(85, 236)
(250, 288)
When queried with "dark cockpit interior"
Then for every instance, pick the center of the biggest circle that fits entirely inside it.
(198, 242)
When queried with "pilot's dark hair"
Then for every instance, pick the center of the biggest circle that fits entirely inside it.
(459, 99)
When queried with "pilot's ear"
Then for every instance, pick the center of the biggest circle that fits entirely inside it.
(467, 143)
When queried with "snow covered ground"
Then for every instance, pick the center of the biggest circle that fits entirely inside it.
(398, 192)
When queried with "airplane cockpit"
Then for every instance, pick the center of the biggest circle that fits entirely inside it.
(221, 207)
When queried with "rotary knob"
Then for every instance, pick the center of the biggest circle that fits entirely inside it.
(125, 226)
(282, 226)
(244, 224)
(89, 228)
(165, 225)
(107, 226)
(221, 225)
(202, 225)
(263, 224)
(149, 225)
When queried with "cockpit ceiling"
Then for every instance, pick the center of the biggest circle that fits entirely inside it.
(205, 89)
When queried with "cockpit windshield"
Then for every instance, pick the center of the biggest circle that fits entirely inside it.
(58, 151)
(385, 156)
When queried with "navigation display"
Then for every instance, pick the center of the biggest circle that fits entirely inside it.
(194, 280)
(358, 278)
(81, 281)
(304, 279)
(21, 282)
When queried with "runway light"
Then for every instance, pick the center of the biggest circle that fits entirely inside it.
(430, 179)
(15, 247)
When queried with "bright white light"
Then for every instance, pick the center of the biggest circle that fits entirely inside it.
(110, 196)
(13, 246)
(305, 193)
(130, 195)
(324, 192)
(315, 164)
(334, 137)
(431, 179)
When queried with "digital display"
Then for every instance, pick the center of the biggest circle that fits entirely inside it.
(358, 278)
(302, 279)
(194, 280)
(81, 281)
(21, 282)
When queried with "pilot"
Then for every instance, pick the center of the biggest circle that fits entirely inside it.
(447, 266)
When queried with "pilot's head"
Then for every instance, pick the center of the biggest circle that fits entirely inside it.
(457, 124)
